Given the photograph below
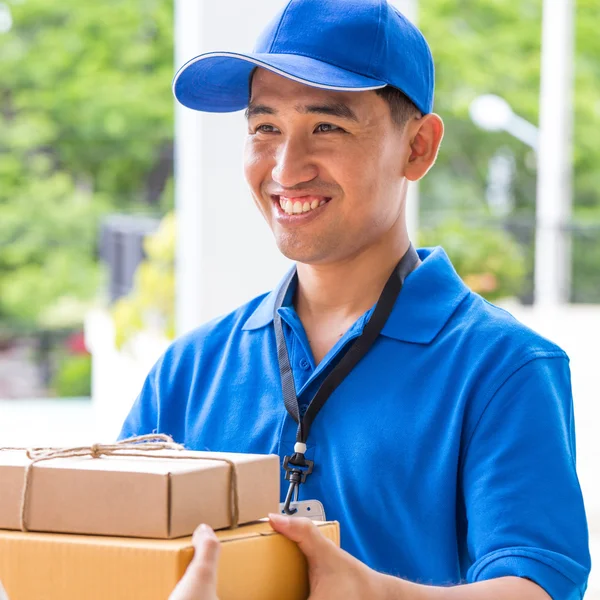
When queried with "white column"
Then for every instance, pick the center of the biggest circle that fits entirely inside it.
(554, 184)
(409, 9)
(225, 252)
(188, 177)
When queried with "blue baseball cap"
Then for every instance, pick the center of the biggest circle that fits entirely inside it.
(342, 45)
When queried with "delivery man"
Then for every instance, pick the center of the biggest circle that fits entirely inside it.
(432, 425)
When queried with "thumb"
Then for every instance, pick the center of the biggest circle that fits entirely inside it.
(199, 582)
(206, 555)
(305, 533)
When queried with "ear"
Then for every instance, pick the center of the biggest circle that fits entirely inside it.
(424, 136)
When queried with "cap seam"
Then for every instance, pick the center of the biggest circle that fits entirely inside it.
(279, 26)
(369, 69)
(212, 91)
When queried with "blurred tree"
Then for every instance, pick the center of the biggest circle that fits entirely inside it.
(151, 303)
(86, 117)
(73, 376)
(85, 128)
(493, 46)
(489, 261)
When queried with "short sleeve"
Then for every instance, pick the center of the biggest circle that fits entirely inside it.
(523, 505)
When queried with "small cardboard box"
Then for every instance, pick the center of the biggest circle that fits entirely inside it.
(152, 497)
(255, 564)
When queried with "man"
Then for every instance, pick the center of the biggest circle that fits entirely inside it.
(435, 428)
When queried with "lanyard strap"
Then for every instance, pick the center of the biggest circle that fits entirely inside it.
(359, 348)
(297, 467)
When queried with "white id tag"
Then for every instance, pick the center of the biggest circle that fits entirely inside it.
(312, 509)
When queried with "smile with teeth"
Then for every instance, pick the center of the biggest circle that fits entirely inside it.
(296, 206)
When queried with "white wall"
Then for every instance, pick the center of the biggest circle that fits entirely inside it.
(117, 374)
(227, 253)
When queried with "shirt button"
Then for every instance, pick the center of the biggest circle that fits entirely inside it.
(304, 364)
(303, 408)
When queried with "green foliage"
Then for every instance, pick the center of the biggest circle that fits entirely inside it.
(73, 377)
(489, 260)
(151, 303)
(585, 276)
(47, 235)
(85, 128)
(493, 46)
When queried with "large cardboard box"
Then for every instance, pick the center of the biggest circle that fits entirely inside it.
(256, 564)
(142, 496)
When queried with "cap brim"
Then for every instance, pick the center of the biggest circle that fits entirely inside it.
(218, 81)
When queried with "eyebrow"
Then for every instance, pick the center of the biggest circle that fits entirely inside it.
(333, 109)
(254, 110)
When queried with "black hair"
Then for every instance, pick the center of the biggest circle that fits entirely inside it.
(402, 108)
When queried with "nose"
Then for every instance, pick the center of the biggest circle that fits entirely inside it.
(293, 164)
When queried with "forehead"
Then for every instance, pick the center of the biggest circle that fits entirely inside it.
(268, 87)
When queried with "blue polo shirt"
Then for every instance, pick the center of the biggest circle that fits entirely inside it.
(448, 453)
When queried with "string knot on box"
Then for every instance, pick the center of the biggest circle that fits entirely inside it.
(138, 446)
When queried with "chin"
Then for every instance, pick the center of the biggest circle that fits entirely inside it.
(297, 252)
(308, 255)
(300, 257)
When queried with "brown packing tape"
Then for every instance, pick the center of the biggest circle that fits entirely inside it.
(255, 564)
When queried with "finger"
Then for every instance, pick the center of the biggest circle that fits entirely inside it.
(206, 555)
(305, 533)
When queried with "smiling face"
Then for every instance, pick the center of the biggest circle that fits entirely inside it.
(326, 169)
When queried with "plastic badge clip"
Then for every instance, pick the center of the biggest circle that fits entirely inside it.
(295, 474)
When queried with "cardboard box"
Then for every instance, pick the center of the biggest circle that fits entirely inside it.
(158, 497)
(256, 564)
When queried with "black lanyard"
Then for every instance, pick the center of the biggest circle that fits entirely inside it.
(297, 467)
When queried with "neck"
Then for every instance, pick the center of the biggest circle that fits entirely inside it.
(343, 290)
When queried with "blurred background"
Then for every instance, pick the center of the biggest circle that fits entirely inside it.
(104, 182)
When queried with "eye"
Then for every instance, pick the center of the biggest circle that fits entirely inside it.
(327, 127)
(266, 129)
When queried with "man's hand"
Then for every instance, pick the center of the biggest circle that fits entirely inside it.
(200, 579)
(333, 573)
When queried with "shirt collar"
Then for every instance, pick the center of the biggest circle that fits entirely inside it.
(428, 299)
(263, 315)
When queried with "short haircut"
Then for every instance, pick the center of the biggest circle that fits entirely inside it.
(402, 108)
